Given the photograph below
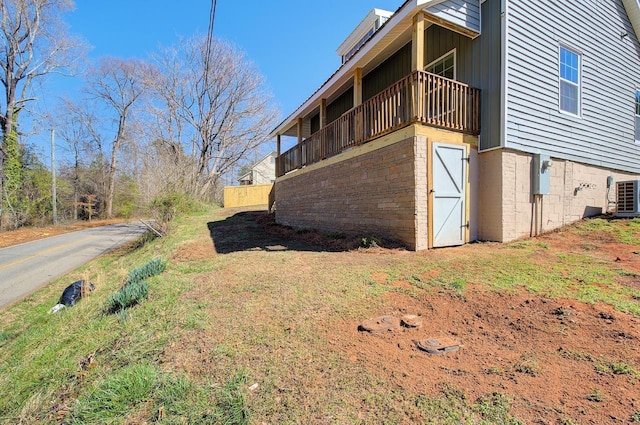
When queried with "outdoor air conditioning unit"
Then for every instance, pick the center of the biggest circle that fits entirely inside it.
(628, 198)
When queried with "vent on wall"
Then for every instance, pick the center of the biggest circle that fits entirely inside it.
(628, 198)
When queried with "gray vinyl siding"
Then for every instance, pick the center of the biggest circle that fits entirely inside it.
(460, 12)
(603, 135)
(477, 64)
(488, 61)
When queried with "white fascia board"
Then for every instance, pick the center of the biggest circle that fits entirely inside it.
(633, 12)
(403, 16)
(363, 27)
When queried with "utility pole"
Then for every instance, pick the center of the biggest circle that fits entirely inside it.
(53, 176)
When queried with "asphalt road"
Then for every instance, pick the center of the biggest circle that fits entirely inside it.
(29, 266)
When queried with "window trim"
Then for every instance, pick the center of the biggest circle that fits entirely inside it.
(578, 53)
(455, 62)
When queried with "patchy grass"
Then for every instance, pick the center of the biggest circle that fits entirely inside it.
(596, 396)
(625, 231)
(527, 364)
(452, 407)
(605, 367)
(264, 333)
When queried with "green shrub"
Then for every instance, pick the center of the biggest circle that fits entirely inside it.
(128, 296)
(164, 208)
(370, 242)
(152, 268)
(136, 287)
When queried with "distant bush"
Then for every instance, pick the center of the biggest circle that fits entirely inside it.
(164, 208)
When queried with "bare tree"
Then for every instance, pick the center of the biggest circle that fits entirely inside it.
(34, 43)
(215, 107)
(75, 127)
(118, 84)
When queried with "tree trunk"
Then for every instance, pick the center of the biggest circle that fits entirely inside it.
(112, 178)
(113, 164)
(7, 125)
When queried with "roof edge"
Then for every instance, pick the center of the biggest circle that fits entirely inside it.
(633, 12)
(408, 8)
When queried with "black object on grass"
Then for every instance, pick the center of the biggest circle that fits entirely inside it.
(74, 292)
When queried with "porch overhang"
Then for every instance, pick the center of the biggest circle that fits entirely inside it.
(393, 34)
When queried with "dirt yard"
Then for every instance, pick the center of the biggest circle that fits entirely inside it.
(560, 361)
(556, 360)
(14, 237)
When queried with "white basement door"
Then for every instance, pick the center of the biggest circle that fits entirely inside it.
(449, 197)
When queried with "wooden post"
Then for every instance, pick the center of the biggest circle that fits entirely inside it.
(417, 51)
(323, 112)
(357, 87)
(299, 128)
(278, 143)
(357, 101)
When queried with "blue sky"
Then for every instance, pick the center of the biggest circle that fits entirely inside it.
(293, 43)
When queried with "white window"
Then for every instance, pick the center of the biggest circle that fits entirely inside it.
(569, 81)
(637, 116)
(359, 44)
(444, 66)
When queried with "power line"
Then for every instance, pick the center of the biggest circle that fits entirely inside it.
(207, 59)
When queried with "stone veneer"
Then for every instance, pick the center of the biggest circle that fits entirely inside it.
(371, 192)
(506, 205)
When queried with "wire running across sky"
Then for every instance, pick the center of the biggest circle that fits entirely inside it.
(207, 59)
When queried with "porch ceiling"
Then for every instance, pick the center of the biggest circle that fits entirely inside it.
(633, 12)
(395, 33)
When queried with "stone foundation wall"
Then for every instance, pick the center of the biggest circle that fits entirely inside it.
(372, 193)
(489, 196)
(576, 191)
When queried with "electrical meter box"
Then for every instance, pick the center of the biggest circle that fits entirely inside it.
(541, 177)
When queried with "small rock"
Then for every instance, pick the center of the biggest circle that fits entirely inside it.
(606, 316)
(411, 321)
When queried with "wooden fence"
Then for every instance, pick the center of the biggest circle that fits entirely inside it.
(249, 195)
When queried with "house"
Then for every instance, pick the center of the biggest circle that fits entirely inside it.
(261, 172)
(255, 186)
(452, 121)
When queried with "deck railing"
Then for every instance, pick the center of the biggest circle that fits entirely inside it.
(420, 97)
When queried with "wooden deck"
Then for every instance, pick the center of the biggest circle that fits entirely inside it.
(421, 97)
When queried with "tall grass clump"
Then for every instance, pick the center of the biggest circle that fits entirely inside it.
(232, 406)
(152, 268)
(128, 296)
(118, 392)
(136, 287)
